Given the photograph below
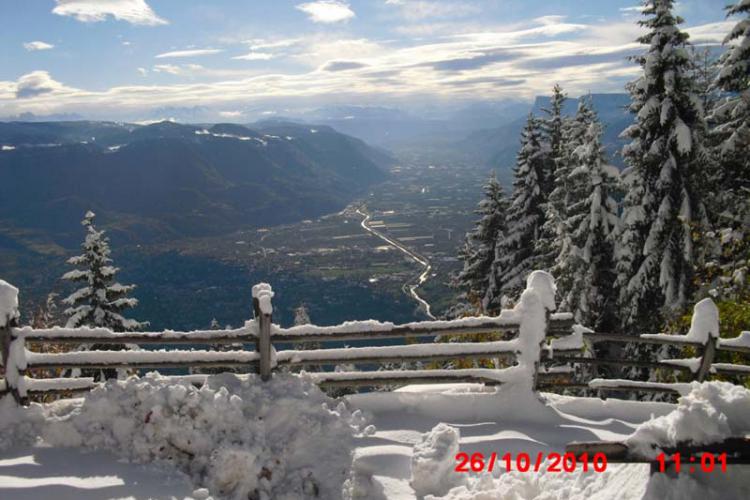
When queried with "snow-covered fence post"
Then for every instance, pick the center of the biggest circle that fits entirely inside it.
(536, 304)
(263, 309)
(13, 350)
(704, 327)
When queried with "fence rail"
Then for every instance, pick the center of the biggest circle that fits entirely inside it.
(538, 341)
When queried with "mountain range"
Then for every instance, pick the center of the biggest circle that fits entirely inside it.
(156, 182)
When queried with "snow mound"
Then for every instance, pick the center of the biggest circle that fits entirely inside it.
(710, 413)
(239, 438)
(433, 461)
(705, 322)
(19, 424)
(8, 303)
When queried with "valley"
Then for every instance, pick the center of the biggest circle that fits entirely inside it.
(423, 211)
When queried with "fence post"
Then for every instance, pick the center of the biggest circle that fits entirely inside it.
(263, 309)
(705, 326)
(8, 319)
(536, 305)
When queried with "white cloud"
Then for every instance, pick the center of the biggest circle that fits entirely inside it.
(37, 45)
(188, 53)
(35, 84)
(92, 11)
(712, 33)
(491, 62)
(327, 11)
(172, 69)
(230, 114)
(414, 10)
(255, 56)
(143, 71)
(636, 9)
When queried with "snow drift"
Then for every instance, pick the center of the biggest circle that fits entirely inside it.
(239, 438)
(709, 413)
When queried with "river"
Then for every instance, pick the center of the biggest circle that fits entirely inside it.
(409, 288)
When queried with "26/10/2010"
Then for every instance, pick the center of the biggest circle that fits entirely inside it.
(522, 462)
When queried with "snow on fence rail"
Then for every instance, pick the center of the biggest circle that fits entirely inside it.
(530, 323)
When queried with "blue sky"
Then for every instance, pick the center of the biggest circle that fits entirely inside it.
(240, 59)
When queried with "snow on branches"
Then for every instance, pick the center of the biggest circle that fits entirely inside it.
(101, 300)
(656, 258)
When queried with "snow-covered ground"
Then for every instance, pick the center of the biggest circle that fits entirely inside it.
(419, 429)
(494, 423)
(40, 473)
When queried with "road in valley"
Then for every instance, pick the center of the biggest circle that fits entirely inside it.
(409, 288)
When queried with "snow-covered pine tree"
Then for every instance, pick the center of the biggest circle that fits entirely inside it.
(705, 70)
(556, 238)
(514, 252)
(302, 317)
(584, 268)
(478, 252)
(730, 200)
(655, 249)
(101, 300)
(554, 128)
(214, 370)
(48, 314)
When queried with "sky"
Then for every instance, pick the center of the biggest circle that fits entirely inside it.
(240, 59)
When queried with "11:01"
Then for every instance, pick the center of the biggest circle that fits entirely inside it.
(708, 462)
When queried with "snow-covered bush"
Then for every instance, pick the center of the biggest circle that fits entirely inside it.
(240, 438)
(710, 413)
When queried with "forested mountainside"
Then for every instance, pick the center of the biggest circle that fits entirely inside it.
(166, 180)
(497, 147)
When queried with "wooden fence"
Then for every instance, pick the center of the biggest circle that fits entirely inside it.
(541, 350)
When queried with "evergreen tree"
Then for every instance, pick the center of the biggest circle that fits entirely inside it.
(655, 253)
(478, 252)
(705, 70)
(514, 252)
(556, 238)
(101, 301)
(730, 180)
(302, 317)
(584, 266)
(48, 314)
(555, 128)
(214, 325)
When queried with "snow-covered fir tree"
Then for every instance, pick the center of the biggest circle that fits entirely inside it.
(705, 70)
(48, 314)
(584, 265)
(554, 128)
(478, 252)
(666, 159)
(555, 238)
(302, 317)
(514, 252)
(730, 180)
(101, 300)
